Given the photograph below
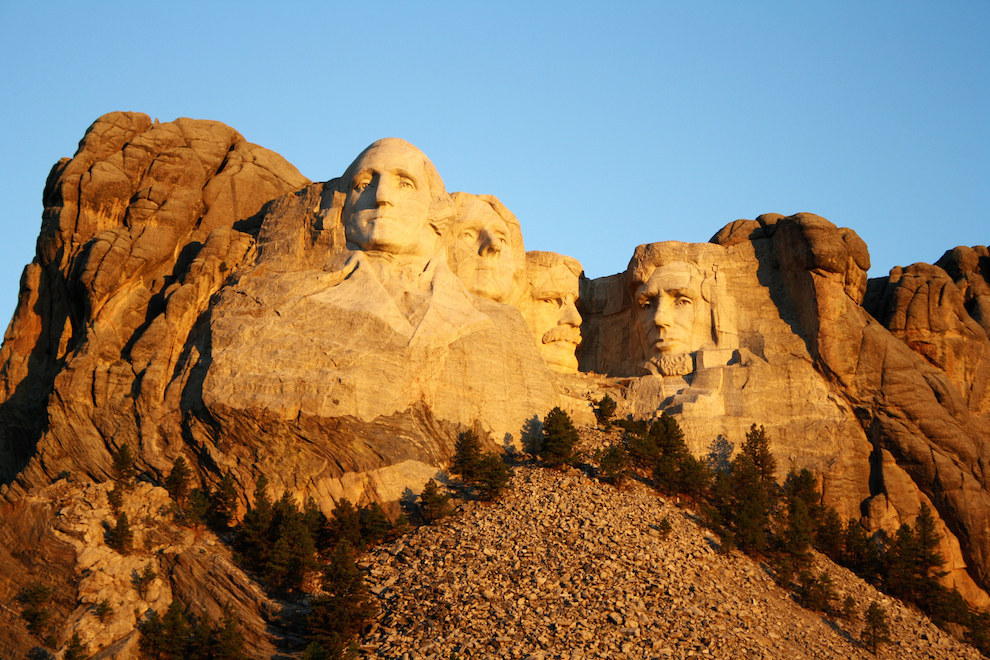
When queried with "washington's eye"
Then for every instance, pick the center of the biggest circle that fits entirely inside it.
(681, 302)
(360, 184)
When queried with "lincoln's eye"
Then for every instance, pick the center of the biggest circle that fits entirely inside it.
(682, 301)
(407, 183)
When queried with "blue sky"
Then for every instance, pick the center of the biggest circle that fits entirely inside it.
(600, 125)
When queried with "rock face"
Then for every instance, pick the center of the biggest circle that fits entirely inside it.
(193, 295)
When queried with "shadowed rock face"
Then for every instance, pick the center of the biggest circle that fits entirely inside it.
(194, 295)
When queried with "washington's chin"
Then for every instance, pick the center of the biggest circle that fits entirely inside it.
(490, 292)
(486, 286)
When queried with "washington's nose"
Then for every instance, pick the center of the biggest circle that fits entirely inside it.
(489, 244)
(384, 192)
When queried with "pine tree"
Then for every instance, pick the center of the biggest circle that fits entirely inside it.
(902, 563)
(929, 559)
(757, 447)
(830, 536)
(292, 551)
(876, 629)
(798, 534)
(76, 650)
(614, 464)
(143, 580)
(252, 534)
(115, 498)
(197, 507)
(123, 466)
(34, 600)
(343, 610)
(222, 503)
(467, 456)
(344, 524)
(750, 507)
(177, 482)
(559, 439)
(719, 458)
(493, 476)
(119, 536)
(604, 411)
(693, 477)
(433, 503)
(375, 526)
(103, 610)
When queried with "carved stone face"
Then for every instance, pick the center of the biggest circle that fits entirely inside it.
(672, 318)
(387, 208)
(479, 252)
(552, 314)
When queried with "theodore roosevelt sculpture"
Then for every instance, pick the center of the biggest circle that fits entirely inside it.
(550, 307)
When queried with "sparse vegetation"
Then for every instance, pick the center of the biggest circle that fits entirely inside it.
(614, 464)
(434, 504)
(559, 439)
(604, 410)
(467, 456)
(123, 466)
(876, 629)
(119, 536)
(177, 482)
(34, 600)
(75, 650)
(103, 610)
(179, 635)
(143, 580)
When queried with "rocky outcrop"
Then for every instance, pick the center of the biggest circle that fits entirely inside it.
(193, 566)
(140, 228)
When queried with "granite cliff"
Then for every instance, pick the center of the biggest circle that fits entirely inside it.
(194, 295)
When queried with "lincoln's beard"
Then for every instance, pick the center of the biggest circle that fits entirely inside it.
(680, 364)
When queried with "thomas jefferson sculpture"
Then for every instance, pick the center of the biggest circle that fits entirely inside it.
(485, 247)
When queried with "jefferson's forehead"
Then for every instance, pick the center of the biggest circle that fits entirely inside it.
(476, 213)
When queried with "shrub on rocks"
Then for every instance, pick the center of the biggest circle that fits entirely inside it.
(604, 410)
(434, 504)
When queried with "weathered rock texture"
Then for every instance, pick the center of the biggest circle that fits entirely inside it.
(194, 295)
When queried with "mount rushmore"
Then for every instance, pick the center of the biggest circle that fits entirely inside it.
(194, 295)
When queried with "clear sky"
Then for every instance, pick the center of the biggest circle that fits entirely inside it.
(601, 125)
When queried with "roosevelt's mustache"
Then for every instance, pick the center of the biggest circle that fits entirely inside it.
(567, 333)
